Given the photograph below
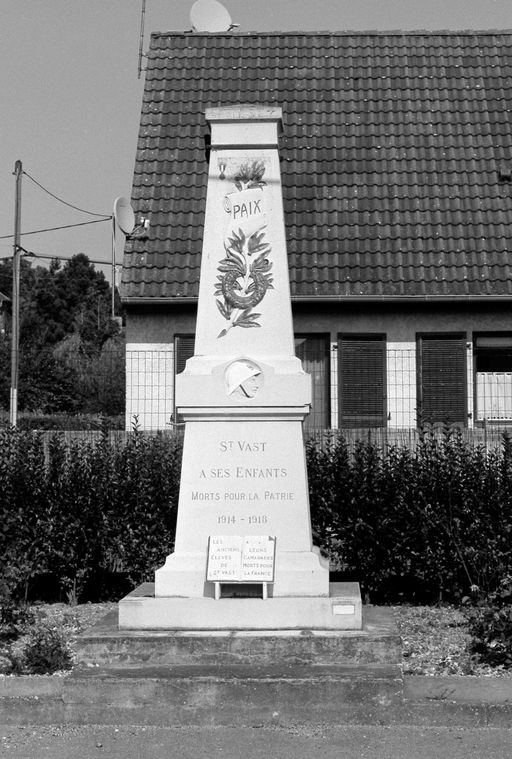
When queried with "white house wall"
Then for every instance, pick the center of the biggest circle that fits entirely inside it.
(151, 335)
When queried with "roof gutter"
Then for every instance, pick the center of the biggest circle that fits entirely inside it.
(178, 301)
(399, 298)
(316, 299)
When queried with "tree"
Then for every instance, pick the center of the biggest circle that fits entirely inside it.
(46, 385)
(73, 299)
(67, 340)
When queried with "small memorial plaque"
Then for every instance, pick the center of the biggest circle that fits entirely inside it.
(258, 558)
(224, 558)
(236, 558)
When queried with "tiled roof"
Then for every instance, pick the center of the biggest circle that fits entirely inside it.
(391, 158)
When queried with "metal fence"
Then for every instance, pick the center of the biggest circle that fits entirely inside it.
(487, 437)
(384, 395)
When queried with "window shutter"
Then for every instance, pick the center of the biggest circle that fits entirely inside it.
(313, 351)
(442, 379)
(184, 349)
(362, 381)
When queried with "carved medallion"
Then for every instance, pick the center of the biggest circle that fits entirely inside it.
(245, 273)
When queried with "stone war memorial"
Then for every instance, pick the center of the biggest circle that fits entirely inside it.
(241, 625)
(243, 556)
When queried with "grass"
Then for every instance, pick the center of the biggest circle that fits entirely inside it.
(435, 641)
(435, 638)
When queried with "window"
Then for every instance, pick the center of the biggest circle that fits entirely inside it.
(442, 382)
(313, 351)
(492, 363)
(362, 380)
(183, 350)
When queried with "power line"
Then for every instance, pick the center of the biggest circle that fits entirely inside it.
(64, 258)
(53, 229)
(70, 205)
(31, 254)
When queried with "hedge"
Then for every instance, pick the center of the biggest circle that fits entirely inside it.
(423, 525)
(427, 525)
(81, 511)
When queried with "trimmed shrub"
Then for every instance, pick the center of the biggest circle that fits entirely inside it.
(44, 650)
(418, 526)
(84, 509)
(490, 626)
(421, 525)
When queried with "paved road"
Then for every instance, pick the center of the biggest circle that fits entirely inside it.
(69, 742)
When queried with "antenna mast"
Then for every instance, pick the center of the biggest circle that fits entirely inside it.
(141, 41)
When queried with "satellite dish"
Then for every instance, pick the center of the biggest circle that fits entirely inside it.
(123, 215)
(210, 16)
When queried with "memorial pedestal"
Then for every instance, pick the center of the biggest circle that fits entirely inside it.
(249, 479)
(340, 610)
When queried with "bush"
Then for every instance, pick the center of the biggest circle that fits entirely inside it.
(14, 618)
(23, 512)
(419, 526)
(44, 651)
(85, 509)
(490, 626)
(112, 507)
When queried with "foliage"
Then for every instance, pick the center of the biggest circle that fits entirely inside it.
(74, 298)
(23, 511)
(45, 384)
(71, 357)
(413, 525)
(44, 650)
(490, 626)
(420, 526)
(83, 509)
(14, 618)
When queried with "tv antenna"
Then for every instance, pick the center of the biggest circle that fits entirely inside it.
(141, 39)
(210, 16)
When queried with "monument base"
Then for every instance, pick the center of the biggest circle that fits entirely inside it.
(298, 573)
(340, 610)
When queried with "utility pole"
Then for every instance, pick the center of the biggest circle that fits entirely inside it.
(15, 328)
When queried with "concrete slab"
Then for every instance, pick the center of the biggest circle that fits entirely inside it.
(377, 643)
(283, 694)
(341, 610)
(236, 695)
(464, 689)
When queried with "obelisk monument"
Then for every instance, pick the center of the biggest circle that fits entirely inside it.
(244, 396)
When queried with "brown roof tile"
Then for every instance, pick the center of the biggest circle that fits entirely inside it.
(391, 155)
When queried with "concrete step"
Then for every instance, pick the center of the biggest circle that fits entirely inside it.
(377, 643)
(235, 695)
(280, 697)
(242, 678)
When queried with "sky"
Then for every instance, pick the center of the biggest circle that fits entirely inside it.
(70, 95)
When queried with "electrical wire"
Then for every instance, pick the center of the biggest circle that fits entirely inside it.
(32, 254)
(70, 205)
(67, 258)
(53, 229)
